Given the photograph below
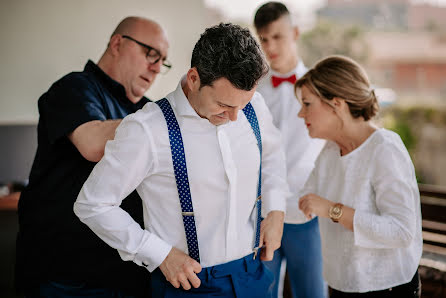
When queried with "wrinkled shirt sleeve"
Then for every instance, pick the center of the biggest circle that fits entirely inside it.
(127, 161)
(395, 190)
(274, 181)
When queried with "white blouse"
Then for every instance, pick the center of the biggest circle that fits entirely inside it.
(377, 179)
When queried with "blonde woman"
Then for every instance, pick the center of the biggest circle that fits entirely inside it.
(363, 187)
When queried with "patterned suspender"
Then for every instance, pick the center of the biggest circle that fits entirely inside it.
(182, 180)
(252, 118)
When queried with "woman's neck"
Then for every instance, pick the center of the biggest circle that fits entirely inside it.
(353, 135)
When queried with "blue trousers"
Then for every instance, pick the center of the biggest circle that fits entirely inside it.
(301, 247)
(241, 278)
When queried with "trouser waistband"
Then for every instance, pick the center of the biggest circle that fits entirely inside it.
(244, 264)
(244, 277)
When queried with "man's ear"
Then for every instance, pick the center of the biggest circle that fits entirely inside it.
(193, 79)
(115, 44)
(296, 33)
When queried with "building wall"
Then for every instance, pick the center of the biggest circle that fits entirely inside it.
(44, 40)
(427, 17)
(420, 76)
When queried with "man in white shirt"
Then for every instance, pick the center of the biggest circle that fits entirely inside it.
(198, 177)
(301, 244)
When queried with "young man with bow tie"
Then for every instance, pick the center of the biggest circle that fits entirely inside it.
(301, 245)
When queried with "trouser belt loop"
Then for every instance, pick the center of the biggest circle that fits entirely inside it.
(208, 274)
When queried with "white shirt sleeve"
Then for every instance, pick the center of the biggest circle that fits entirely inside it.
(128, 159)
(274, 184)
(310, 186)
(395, 189)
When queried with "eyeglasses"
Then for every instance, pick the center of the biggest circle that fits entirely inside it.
(153, 56)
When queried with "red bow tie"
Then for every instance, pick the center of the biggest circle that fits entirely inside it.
(278, 80)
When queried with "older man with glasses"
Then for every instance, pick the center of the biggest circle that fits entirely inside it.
(57, 255)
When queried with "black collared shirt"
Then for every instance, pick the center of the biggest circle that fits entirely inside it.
(52, 243)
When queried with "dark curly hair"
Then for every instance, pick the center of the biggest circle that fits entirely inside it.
(229, 51)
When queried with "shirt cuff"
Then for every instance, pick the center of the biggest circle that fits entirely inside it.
(293, 214)
(152, 253)
(273, 201)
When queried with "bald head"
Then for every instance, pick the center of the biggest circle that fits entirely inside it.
(130, 24)
(125, 59)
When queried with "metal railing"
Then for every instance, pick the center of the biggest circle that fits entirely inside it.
(433, 263)
(433, 210)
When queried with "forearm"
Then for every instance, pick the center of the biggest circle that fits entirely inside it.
(128, 160)
(382, 231)
(90, 138)
(347, 217)
(116, 228)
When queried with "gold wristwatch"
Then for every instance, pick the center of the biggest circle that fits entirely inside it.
(335, 212)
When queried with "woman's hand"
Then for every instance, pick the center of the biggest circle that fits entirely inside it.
(312, 204)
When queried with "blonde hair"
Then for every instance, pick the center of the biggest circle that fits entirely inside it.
(342, 77)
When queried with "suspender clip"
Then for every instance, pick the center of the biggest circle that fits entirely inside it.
(187, 213)
(256, 250)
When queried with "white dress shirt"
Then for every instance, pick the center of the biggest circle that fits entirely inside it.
(223, 168)
(377, 179)
(301, 151)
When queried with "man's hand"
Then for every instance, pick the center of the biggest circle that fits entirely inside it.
(180, 269)
(271, 230)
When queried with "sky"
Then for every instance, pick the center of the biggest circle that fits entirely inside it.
(244, 9)
(303, 10)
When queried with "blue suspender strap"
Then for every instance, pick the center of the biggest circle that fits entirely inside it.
(180, 170)
(252, 118)
(181, 177)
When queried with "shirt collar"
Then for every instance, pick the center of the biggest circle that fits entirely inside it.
(114, 86)
(181, 103)
(299, 71)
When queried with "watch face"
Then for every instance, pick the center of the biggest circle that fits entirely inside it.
(336, 212)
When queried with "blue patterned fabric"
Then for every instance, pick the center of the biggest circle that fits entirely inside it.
(252, 118)
(180, 169)
(182, 180)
